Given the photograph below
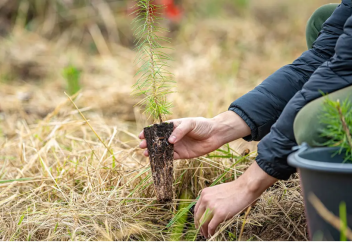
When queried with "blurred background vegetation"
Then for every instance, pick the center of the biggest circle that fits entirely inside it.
(221, 48)
(227, 46)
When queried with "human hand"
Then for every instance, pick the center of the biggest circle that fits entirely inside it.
(193, 137)
(222, 202)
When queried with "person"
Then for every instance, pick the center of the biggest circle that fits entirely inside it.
(281, 112)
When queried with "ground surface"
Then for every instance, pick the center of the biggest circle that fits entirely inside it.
(57, 179)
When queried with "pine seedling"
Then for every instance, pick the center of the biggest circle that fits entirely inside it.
(154, 80)
(337, 119)
(154, 83)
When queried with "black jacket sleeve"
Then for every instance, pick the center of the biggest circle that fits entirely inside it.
(261, 107)
(333, 75)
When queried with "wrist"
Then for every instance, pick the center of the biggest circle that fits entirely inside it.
(228, 126)
(256, 180)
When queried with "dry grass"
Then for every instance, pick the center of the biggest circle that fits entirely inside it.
(59, 182)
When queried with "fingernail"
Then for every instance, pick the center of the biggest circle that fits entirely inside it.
(172, 139)
(139, 136)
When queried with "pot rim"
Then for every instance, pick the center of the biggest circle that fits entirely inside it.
(297, 161)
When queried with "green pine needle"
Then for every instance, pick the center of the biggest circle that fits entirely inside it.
(337, 119)
(154, 81)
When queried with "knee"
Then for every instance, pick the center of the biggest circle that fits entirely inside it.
(299, 127)
(322, 14)
(306, 124)
(316, 21)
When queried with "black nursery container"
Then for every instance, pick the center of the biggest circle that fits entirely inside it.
(326, 176)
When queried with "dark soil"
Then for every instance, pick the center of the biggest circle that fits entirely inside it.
(161, 156)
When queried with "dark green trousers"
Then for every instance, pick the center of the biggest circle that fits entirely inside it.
(306, 125)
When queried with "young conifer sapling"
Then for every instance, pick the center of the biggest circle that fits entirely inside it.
(337, 119)
(154, 83)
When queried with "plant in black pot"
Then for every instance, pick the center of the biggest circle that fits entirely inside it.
(326, 175)
(154, 83)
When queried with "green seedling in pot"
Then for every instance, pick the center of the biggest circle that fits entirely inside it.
(337, 119)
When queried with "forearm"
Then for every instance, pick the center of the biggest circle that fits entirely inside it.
(228, 126)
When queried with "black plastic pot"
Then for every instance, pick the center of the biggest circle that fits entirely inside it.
(330, 179)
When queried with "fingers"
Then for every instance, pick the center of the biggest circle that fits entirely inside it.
(208, 214)
(183, 128)
(197, 205)
(179, 132)
(176, 122)
(176, 155)
(202, 217)
(141, 135)
(213, 224)
(208, 222)
(199, 209)
(143, 144)
(204, 222)
(198, 213)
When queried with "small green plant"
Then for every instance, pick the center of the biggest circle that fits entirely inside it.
(154, 80)
(72, 76)
(181, 225)
(343, 219)
(337, 118)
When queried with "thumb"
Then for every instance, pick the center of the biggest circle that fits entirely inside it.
(181, 130)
